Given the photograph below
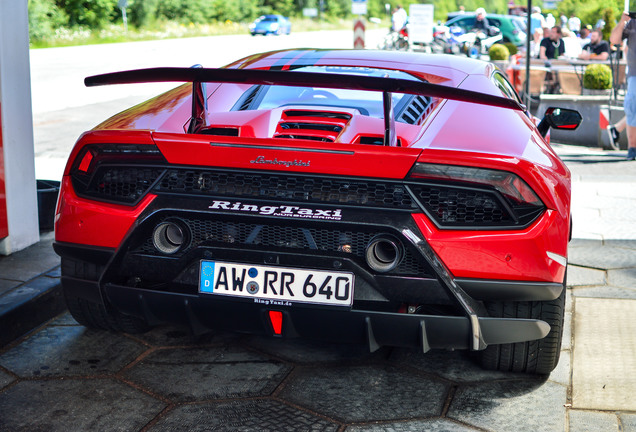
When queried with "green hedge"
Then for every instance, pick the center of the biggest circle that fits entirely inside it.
(46, 16)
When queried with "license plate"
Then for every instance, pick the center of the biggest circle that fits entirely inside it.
(276, 285)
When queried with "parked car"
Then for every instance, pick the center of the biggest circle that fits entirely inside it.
(270, 24)
(512, 27)
(377, 197)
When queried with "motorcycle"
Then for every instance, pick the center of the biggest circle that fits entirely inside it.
(477, 42)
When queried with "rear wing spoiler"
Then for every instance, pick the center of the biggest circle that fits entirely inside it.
(199, 75)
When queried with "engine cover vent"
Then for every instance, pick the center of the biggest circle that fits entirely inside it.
(323, 126)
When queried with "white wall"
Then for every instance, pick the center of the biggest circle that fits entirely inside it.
(17, 127)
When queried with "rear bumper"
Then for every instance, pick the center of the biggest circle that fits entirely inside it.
(471, 329)
(203, 313)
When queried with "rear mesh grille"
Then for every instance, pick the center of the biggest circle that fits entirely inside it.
(118, 184)
(286, 188)
(463, 207)
(219, 232)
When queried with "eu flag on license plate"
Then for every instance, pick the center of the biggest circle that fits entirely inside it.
(206, 282)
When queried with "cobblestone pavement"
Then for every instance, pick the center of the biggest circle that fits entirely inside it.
(64, 377)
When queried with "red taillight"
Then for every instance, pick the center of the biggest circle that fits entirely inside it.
(117, 173)
(507, 183)
(86, 161)
(276, 318)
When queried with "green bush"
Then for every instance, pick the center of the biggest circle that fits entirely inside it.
(498, 52)
(597, 77)
(94, 14)
(512, 48)
(44, 17)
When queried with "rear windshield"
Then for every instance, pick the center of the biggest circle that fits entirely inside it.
(367, 103)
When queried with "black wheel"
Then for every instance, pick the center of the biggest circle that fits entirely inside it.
(95, 315)
(402, 44)
(538, 357)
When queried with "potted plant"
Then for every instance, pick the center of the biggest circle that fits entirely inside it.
(499, 55)
(597, 80)
(512, 48)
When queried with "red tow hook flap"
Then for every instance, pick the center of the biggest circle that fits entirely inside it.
(276, 318)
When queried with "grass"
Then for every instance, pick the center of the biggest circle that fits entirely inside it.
(171, 30)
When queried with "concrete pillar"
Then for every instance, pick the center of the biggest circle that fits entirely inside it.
(16, 128)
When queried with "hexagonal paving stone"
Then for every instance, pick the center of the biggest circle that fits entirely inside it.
(581, 276)
(166, 336)
(76, 405)
(71, 351)
(306, 351)
(604, 257)
(5, 379)
(530, 405)
(593, 421)
(452, 365)
(64, 319)
(199, 374)
(432, 425)
(251, 415)
(366, 393)
(625, 278)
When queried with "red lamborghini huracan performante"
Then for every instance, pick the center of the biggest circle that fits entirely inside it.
(385, 198)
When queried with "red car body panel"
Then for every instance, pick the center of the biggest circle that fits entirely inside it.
(105, 224)
(500, 254)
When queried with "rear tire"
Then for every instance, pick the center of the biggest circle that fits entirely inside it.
(537, 357)
(96, 315)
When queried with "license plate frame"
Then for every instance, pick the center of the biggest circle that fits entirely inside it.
(275, 285)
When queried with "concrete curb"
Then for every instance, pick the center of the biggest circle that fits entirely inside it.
(29, 305)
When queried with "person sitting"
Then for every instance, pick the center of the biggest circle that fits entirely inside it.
(584, 35)
(535, 43)
(571, 41)
(597, 49)
(552, 47)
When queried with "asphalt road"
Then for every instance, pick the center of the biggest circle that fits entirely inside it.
(63, 107)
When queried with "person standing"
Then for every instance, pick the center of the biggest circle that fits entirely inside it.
(626, 29)
(597, 49)
(574, 24)
(550, 20)
(398, 19)
(536, 19)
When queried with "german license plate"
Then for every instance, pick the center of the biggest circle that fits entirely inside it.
(276, 285)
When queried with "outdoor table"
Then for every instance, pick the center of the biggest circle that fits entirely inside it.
(564, 69)
(580, 65)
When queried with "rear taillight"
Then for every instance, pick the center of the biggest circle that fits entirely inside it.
(117, 173)
(457, 196)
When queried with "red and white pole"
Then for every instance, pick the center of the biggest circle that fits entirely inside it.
(358, 33)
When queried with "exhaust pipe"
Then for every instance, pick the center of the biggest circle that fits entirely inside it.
(169, 237)
(384, 253)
